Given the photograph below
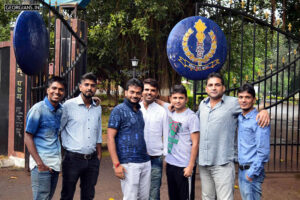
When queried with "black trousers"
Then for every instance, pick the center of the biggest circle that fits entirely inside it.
(178, 185)
(75, 167)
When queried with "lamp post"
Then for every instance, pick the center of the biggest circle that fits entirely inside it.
(134, 63)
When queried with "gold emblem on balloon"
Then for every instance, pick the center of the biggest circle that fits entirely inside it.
(200, 58)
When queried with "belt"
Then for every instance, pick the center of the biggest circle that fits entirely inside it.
(154, 157)
(83, 156)
(244, 167)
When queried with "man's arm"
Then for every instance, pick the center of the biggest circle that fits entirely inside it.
(99, 150)
(165, 131)
(32, 150)
(263, 118)
(111, 144)
(262, 138)
(194, 152)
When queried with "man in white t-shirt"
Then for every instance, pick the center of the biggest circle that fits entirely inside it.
(183, 144)
(155, 134)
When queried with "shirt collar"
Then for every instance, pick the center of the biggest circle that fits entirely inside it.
(130, 104)
(50, 106)
(79, 100)
(207, 99)
(250, 114)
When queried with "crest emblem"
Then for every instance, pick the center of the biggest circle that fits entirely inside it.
(200, 50)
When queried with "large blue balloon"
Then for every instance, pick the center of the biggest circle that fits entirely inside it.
(196, 47)
(31, 42)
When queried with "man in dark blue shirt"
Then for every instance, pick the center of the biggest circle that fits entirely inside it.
(253, 146)
(126, 144)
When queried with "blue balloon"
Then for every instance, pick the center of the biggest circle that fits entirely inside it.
(31, 42)
(196, 47)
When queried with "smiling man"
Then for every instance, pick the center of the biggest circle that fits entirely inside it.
(81, 135)
(155, 133)
(218, 115)
(126, 144)
(41, 139)
(183, 140)
(253, 146)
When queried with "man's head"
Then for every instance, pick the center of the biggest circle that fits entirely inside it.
(88, 85)
(178, 97)
(246, 97)
(56, 89)
(133, 90)
(215, 87)
(150, 91)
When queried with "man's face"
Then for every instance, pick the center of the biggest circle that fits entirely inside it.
(88, 88)
(179, 101)
(133, 94)
(246, 101)
(214, 88)
(55, 92)
(150, 93)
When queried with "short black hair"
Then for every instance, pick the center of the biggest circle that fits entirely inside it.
(215, 75)
(57, 79)
(151, 82)
(247, 87)
(89, 76)
(178, 89)
(134, 82)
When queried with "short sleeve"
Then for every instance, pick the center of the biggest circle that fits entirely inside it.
(114, 119)
(32, 120)
(194, 123)
(236, 108)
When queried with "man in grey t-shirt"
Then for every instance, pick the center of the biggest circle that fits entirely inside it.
(183, 140)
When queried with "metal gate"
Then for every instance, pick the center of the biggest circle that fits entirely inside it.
(65, 60)
(267, 57)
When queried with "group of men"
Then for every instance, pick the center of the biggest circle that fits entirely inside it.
(79, 122)
(142, 132)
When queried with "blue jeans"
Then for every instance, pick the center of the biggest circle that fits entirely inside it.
(250, 190)
(156, 174)
(43, 184)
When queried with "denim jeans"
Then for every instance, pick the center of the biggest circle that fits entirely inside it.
(217, 181)
(74, 168)
(43, 184)
(156, 174)
(250, 190)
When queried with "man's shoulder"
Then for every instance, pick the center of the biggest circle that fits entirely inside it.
(230, 98)
(70, 102)
(38, 106)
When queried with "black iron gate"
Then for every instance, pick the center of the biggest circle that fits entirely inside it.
(268, 57)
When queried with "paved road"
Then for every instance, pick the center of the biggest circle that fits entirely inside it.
(15, 185)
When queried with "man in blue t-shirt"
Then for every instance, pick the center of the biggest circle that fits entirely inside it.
(126, 144)
(253, 146)
(41, 139)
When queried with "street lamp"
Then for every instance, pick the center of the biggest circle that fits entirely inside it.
(134, 63)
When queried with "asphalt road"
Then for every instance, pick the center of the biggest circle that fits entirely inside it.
(15, 185)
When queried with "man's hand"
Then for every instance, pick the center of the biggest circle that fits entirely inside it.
(97, 100)
(120, 172)
(43, 168)
(248, 178)
(171, 108)
(263, 118)
(187, 172)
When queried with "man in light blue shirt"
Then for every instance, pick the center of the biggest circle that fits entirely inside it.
(81, 135)
(41, 139)
(218, 115)
(253, 146)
